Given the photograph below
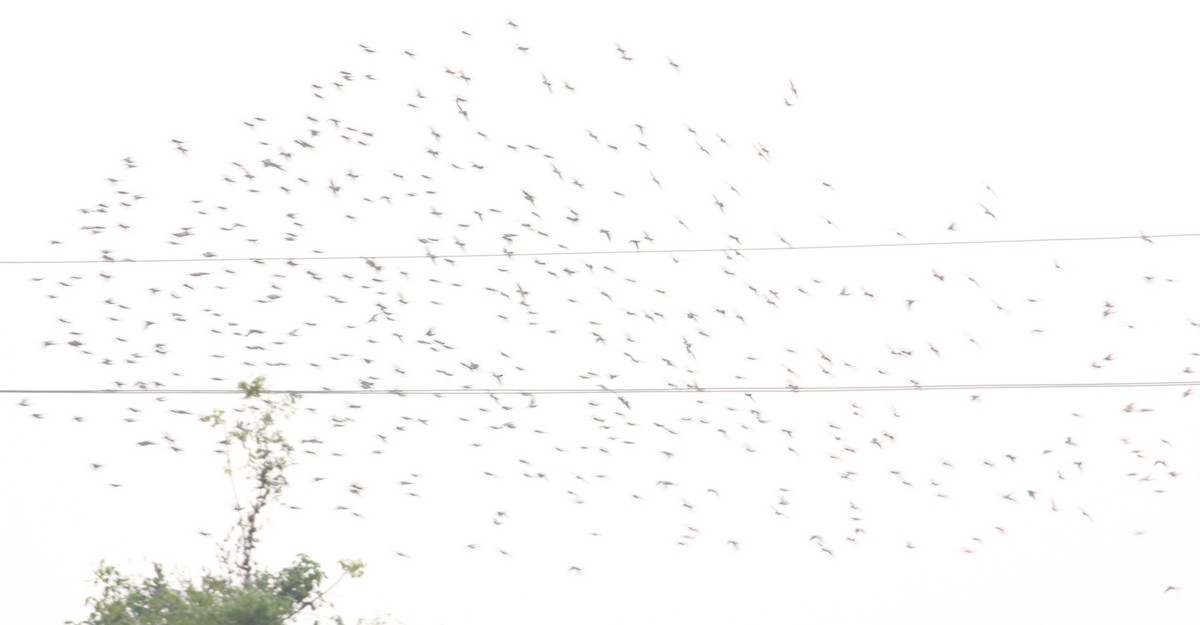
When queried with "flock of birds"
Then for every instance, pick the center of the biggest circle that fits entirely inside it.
(547, 290)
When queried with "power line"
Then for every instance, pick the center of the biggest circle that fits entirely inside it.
(618, 391)
(508, 254)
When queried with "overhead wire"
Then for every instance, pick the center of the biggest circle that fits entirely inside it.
(635, 252)
(684, 390)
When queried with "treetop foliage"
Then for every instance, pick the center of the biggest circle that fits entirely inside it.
(242, 594)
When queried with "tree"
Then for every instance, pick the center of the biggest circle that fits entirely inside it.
(242, 593)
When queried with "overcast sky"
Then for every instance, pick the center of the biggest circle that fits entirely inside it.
(558, 199)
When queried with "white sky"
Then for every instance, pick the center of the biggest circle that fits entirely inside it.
(1079, 117)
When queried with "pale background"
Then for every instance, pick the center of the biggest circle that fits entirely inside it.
(1078, 116)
